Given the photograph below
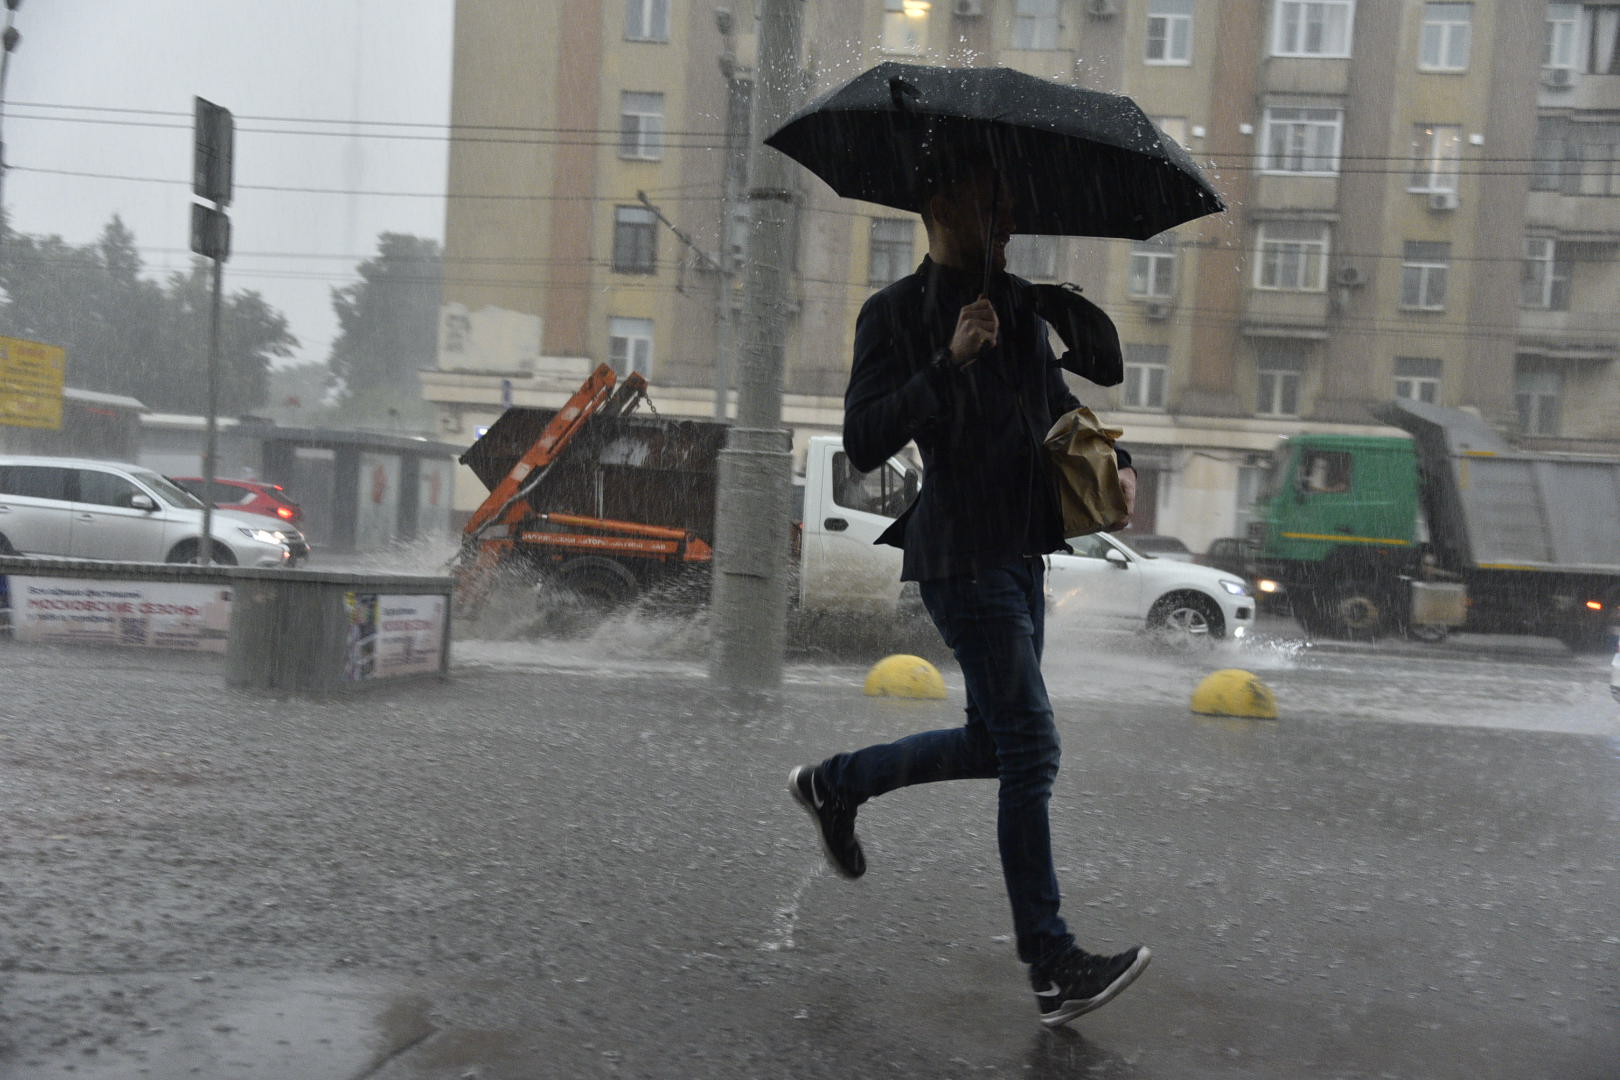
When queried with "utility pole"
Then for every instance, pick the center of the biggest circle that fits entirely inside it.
(212, 151)
(750, 589)
(8, 41)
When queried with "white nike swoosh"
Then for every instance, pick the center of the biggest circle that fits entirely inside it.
(1051, 991)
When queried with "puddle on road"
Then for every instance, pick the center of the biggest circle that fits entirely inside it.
(310, 1027)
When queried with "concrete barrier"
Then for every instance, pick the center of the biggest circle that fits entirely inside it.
(300, 631)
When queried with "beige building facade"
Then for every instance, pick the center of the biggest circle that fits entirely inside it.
(1424, 201)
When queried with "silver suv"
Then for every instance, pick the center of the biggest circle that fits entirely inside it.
(83, 509)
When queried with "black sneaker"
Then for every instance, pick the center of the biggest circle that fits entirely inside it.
(835, 822)
(1081, 982)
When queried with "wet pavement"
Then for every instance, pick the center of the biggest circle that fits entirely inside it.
(573, 860)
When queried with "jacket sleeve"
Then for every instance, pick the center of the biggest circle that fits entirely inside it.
(889, 399)
(1063, 399)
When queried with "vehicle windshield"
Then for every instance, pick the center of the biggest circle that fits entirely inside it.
(169, 491)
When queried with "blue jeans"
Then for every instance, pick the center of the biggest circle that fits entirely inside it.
(994, 621)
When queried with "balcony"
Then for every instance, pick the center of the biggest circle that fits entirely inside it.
(1592, 218)
(1269, 313)
(1574, 90)
(1281, 191)
(1574, 334)
(1312, 75)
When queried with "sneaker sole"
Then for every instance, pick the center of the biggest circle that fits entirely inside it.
(1071, 1009)
(815, 819)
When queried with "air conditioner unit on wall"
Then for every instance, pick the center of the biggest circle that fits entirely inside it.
(1102, 9)
(1558, 78)
(968, 8)
(1350, 276)
(1444, 200)
(1157, 311)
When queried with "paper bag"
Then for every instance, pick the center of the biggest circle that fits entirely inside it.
(1082, 453)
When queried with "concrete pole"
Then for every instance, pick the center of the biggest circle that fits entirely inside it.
(750, 589)
(205, 555)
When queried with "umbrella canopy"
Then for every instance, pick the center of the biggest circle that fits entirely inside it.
(1080, 162)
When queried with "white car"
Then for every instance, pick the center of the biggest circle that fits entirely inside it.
(1181, 604)
(82, 509)
(1614, 671)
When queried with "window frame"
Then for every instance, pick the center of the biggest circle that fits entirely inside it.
(1156, 257)
(1262, 255)
(1541, 410)
(1271, 121)
(1282, 381)
(894, 15)
(1279, 26)
(1040, 26)
(897, 255)
(1446, 28)
(642, 141)
(646, 15)
(1424, 375)
(1548, 273)
(1563, 21)
(646, 224)
(1171, 21)
(1428, 271)
(629, 361)
(1431, 161)
(1146, 385)
(1043, 258)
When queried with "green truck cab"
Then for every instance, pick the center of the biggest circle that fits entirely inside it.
(1451, 526)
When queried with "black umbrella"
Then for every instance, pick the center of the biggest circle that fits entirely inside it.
(1080, 162)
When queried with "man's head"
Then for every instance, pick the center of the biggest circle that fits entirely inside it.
(967, 211)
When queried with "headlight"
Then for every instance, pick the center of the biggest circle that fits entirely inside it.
(263, 536)
(1236, 588)
(1268, 586)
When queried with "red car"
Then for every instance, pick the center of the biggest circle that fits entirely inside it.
(254, 497)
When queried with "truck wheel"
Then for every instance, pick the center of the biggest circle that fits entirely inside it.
(1359, 611)
(1183, 621)
(600, 581)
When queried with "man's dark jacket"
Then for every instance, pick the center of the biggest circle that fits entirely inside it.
(988, 493)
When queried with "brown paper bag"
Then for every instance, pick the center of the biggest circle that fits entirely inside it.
(1082, 453)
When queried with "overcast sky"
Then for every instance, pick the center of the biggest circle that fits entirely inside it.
(314, 61)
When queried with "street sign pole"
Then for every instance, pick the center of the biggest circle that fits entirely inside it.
(213, 144)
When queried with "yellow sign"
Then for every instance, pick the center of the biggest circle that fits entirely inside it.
(31, 383)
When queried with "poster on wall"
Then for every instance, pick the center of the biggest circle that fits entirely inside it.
(376, 518)
(139, 614)
(390, 636)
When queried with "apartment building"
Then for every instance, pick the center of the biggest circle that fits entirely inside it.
(1423, 203)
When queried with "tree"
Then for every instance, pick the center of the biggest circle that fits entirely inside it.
(389, 323)
(127, 334)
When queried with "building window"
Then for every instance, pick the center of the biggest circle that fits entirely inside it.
(905, 26)
(890, 258)
(1153, 268)
(1302, 141)
(1173, 126)
(630, 345)
(635, 240)
(1312, 27)
(1538, 391)
(1278, 384)
(1584, 38)
(646, 20)
(1293, 256)
(641, 126)
(1436, 157)
(1424, 268)
(1563, 28)
(1447, 34)
(1035, 24)
(1033, 257)
(1417, 378)
(1576, 158)
(1147, 370)
(1169, 31)
(1545, 281)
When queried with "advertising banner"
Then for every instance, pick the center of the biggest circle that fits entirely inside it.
(31, 376)
(143, 614)
(391, 636)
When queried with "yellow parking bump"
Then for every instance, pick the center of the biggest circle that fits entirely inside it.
(1234, 692)
(905, 676)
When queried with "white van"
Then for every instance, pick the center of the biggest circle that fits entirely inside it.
(83, 509)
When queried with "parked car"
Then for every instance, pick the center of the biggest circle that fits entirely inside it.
(254, 497)
(1179, 603)
(1236, 555)
(1614, 671)
(1159, 547)
(80, 508)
